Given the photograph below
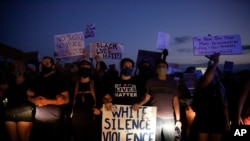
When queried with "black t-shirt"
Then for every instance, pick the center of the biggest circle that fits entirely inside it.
(17, 94)
(211, 98)
(126, 92)
(49, 87)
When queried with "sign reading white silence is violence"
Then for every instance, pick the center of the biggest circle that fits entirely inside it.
(67, 45)
(122, 123)
(223, 44)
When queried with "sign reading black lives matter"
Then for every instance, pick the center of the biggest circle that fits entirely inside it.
(224, 44)
(122, 123)
(68, 45)
(106, 50)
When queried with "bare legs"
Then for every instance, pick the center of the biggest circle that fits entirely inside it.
(18, 131)
(190, 114)
(211, 136)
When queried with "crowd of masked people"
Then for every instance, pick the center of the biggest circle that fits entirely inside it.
(47, 102)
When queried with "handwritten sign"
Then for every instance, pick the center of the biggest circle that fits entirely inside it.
(90, 31)
(106, 50)
(67, 45)
(224, 44)
(162, 40)
(125, 124)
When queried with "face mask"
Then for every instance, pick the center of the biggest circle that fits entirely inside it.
(161, 71)
(46, 70)
(127, 71)
(144, 71)
(85, 72)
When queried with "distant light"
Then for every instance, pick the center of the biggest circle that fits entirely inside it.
(202, 69)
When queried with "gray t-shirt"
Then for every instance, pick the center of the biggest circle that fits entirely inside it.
(162, 93)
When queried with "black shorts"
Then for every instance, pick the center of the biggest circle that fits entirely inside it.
(209, 123)
(20, 113)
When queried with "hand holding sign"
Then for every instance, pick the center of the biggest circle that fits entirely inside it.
(215, 57)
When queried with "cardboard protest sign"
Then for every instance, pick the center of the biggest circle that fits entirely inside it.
(228, 66)
(150, 56)
(162, 40)
(125, 124)
(68, 45)
(90, 31)
(106, 50)
(224, 44)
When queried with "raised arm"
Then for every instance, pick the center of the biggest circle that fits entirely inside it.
(209, 74)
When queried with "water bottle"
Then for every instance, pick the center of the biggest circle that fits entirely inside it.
(177, 134)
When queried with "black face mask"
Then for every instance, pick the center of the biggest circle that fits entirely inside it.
(85, 72)
(127, 71)
(46, 70)
(144, 71)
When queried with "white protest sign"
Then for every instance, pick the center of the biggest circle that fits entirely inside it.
(90, 31)
(162, 40)
(224, 44)
(68, 45)
(125, 124)
(106, 50)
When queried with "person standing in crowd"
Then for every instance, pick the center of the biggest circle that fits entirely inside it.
(243, 108)
(100, 77)
(49, 94)
(212, 119)
(19, 112)
(112, 73)
(162, 92)
(126, 83)
(187, 84)
(84, 123)
(144, 71)
(3, 87)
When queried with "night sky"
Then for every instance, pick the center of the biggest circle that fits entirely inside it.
(31, 25)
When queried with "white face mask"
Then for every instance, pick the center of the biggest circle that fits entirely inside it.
(162, 71)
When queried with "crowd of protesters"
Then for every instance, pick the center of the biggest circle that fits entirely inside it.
(47, 102)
